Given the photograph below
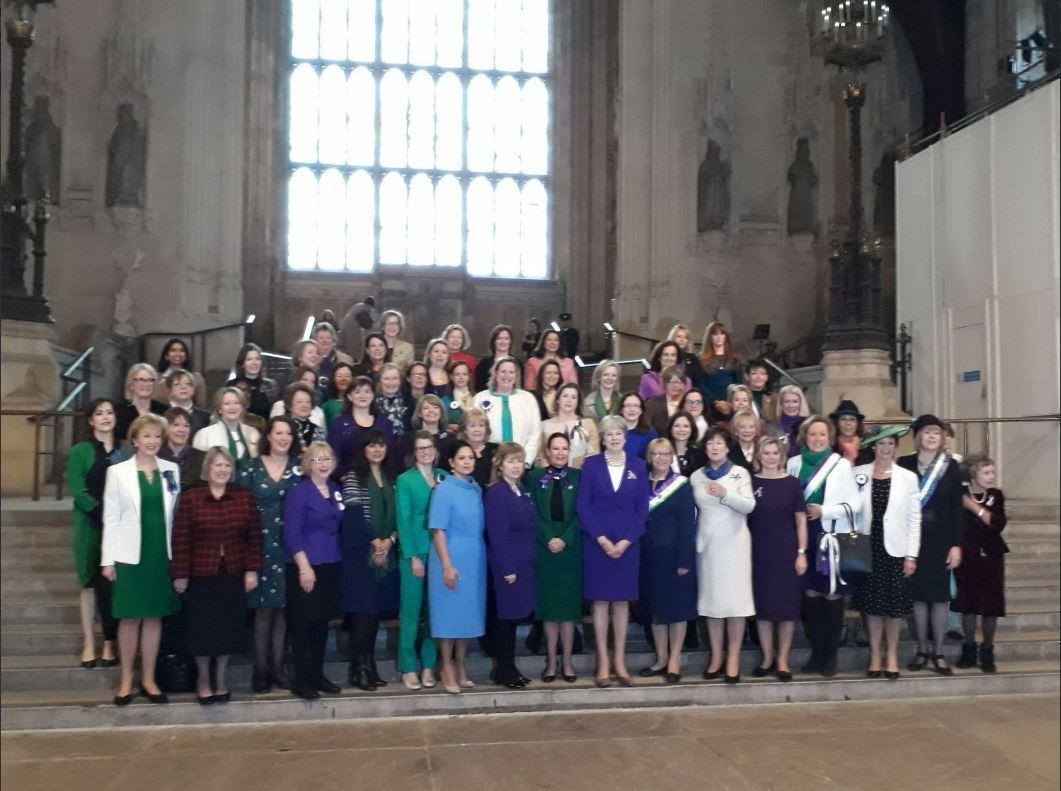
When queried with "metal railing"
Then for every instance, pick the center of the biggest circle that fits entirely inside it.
(964, 426)
(196, 339)
(62, 424)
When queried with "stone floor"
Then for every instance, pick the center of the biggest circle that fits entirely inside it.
(980, 743)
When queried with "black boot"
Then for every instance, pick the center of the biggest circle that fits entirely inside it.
(968, 657)
(987, 658)
(260, 681)
(812, 628)
(832, 630)
(373, 672)
(359, 675)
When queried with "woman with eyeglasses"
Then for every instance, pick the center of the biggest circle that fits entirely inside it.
(140, 384)
(313, 516)
(693, 404)
(392, 323)
(638, 431)
(654, 381)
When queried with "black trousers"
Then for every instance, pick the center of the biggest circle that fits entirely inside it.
(363, 630)
(505, 648)
(102, 588)
(308, 641)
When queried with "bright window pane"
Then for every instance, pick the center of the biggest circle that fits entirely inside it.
(508, 36)
(304, 92)
(421, 221)
(395, 39)
(331, 223)
(362, 31)
(450, 122)
(535, 115)
(449, 32)
(481, 34)
(481, 124)
(507, 114)
(422, 121)
(360, 222)
(333, 29)
(302, 220)
(422, 32)
(361, 123)
(305, 24)
(392, 214)
(333, 116)
(480, 227)
(507, 229)
(448, 222)
(535, 211)
(536, 35)
(394, 108)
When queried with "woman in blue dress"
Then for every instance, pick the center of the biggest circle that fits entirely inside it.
(456, 574)
(270, 477)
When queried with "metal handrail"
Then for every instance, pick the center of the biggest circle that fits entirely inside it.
(40, 418)
(583, 364)
(784, 373)
(964, 423)
(71, 396)
(76, 364)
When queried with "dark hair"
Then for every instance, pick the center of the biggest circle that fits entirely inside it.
(96, 403)
(454, 448)
(300, 371)
(539, 350)
(298, 387)
(450, 368)
(332, 391)
(536, 322)
(360, 381)
(642, 422)
(241, 358)
(559, 391)
(756, 362)
(264, 447)
(418, 436)
(554, 435)
(718, 431)
(657, 353)
(694, 438)
(175, 412)
(408, 388)
(361, 467)
(541, 379)
(860, 429)
(386, 349)
(163, 363)
(497, 331)
(681, 404)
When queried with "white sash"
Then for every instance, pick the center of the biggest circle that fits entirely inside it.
(818, 479)
(664, 494)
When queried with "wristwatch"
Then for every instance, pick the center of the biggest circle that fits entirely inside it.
(801, 552)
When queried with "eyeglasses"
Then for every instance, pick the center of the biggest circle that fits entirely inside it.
(661, 454)
(693, 402)
(321, 459)
(425, 448)
(140, 380)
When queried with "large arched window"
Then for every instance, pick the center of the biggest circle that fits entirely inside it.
(419, 136)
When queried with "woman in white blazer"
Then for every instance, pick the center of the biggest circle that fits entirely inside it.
(723, 495)
(524, 416)
(138, 502)
(229, 431)
(832, 502)
(891, 516)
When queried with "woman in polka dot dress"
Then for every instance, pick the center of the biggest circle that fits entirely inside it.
(270, 477)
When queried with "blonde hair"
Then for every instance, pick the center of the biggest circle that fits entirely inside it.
(428, 399)
(734, 389)
(681, 328)
(313, 449)
(431, 344)
(219, 396)
(497, 364)
(804, 407)
(211, 457)
(465, 342)
(599, 371)
(150, 420)
(763, 442)
(659, 442)
(743, 415)
(810, 421)
(504, 450)
(474, 414)
(133, 371)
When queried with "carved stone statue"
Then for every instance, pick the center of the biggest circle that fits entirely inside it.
(712, 190)
(44, 147)
(126, 160)
(884, 203)
(802, 180)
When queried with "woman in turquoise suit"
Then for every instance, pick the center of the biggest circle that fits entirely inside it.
(456, 571)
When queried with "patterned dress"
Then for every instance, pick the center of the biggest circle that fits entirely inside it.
(269, 495)
(885, 591)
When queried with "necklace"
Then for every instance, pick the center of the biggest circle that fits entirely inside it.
(978, 497)
(615, 463)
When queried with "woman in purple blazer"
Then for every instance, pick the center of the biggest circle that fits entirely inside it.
(511, 521)
(612, 505)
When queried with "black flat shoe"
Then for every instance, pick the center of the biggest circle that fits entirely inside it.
(324, 685)
(733, 679)
(108, 662)
(672, 678)
(873, 674)
(548, 678)
(524, 679)
(784, 675)
(763, 672)
(204, 701)
(649, 672)
(224, 697)
(569, 679)
(161, 697)
(919, 662)
(891, 675)
(711, 675)
(88, 664)
(306, 693)
(124, 700)
(260, 683)
(943, 670)
(624, 681)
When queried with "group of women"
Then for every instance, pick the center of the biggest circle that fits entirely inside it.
(402, 487)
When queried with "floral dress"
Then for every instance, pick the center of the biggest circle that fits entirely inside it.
(269, 495)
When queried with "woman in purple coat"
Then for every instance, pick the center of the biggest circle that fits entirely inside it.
(347, 433)
(612, 505)
(510, 530)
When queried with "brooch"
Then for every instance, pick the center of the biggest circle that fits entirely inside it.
(486, 406)
(339, 500)
(171, 483)
(295, 470)
(861, 479)
(454, 404)
(440, 477)
(758, 492)
(631, 476)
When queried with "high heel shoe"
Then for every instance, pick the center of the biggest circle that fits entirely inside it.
(891, 675)
(873, 674)
(919, 662)
(937, 667)
(672, 678)
(784, 675)
(548, 677)
(569, 678)
(411, 681)
(733, 679)
(602, 683)
(161, 697)
(711, 675)
(88, 664)
(466, 683)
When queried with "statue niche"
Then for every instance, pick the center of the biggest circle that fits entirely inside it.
(712, 190)
(44, 148)
(126, 160)
(884, 202)
(802, 180)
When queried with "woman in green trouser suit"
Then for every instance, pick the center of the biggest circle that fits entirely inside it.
(413, 494)
(553, 489)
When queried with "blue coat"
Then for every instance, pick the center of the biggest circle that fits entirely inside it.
(511, 521)
(669, 544)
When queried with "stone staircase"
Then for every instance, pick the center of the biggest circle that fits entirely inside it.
(41, 685)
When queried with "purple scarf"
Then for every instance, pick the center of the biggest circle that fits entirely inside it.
(553, 474)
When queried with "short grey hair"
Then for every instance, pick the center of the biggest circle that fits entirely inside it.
(610, 422)
(211, 456)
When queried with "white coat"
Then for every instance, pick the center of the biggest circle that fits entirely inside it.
(724, 546)
(902, 518)
(121, 511)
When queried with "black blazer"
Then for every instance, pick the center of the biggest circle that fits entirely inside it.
(943, 514)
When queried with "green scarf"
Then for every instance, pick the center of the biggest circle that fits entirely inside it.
(600, 408)
(506, 417)
(811, 462)
(232, 445)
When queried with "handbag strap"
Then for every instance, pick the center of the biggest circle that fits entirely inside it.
(849, 515)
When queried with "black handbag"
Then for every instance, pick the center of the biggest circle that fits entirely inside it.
(856, 552)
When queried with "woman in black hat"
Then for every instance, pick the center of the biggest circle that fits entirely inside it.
(849, 433)
(940, 485)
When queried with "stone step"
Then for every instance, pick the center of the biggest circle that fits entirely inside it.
(23, 512)
(1022, 570)
(1037, 548)
(34, 559)
(24, 537)
(1019, 531)
(1020, 510)
(64, 710)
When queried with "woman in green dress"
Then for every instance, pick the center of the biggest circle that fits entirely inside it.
(85, 470)
(559, 568)
(270, 477)
(413, 494)
(138, 503)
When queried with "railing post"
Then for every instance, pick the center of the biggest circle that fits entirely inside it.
(36, 459)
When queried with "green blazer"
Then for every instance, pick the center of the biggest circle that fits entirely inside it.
(567, 530)
(413, 497)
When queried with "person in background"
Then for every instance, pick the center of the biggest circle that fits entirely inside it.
(373, 358)
(139, 498)
(392, 401)
(308, 419)
(178, 448)
(693, 404)
(416, 379)
(217, 549)
(175, 355)
(306, 354)
(270, 478)
(849, 433)
(689, 361)
(510, 521)
(722, 368)
(582, 435)
(86, 471)
(513, 412)
(341, 379)
(549, 348)
(668, 562)
(891, 516)
(313, 515)
(793, 410)
(757, 378)
(603, 398)
(982, 575)
(778, 526)
(549, 380)
(475, 430)
(249, 377)
(688, 454)
(531, 337)
(941, 541)
(660, 408)
(361, 318)
(393, 325)
(456, 577)
(412, 493)
(181, 387)
(744, 433)
(612, 505)
(569, 335)
(638, 432)
(309, 378)
(436, 358)
(229, 430)
(456, 338)
(553, 489)
(140, 383)
(500, 345)
(326, 338)
(666, 354)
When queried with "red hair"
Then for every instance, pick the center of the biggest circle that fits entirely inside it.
(707, 356)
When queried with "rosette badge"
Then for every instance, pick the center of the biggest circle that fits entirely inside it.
(454, 404)
(487, 405)
(171, 481)
(861, 479)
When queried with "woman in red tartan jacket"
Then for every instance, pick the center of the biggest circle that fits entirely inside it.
(217, 551)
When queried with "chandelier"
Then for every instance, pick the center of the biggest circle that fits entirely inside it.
(850, 33)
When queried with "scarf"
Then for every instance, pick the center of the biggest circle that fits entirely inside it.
(849, 448)
(811, 462)
(553, 474)
(305, 430)
(602, 409)
(235, 444)
(506, 417)
(393, 408)
(721, 472)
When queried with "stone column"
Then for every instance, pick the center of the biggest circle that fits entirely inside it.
(29, 380)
